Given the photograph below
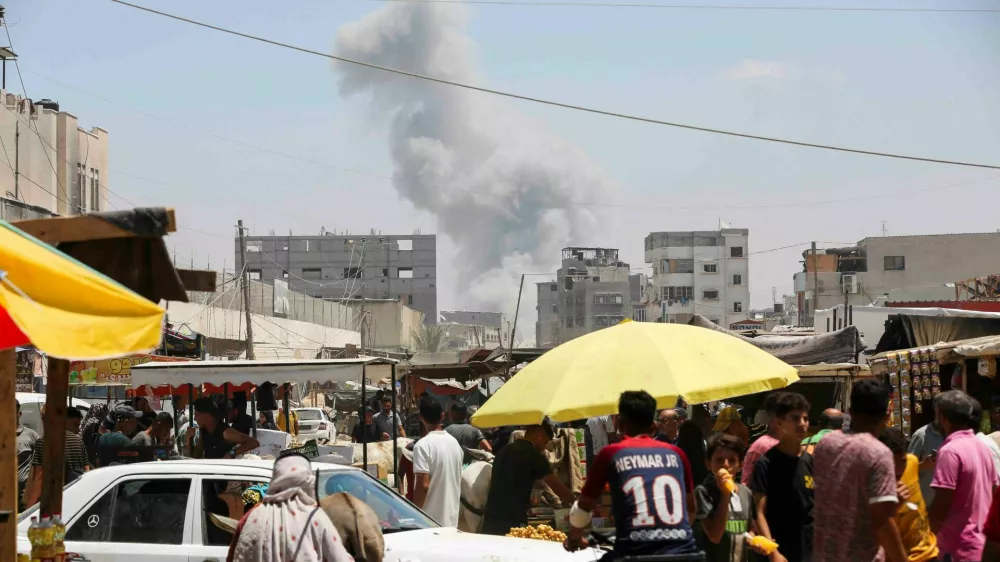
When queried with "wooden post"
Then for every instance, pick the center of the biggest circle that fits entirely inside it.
(8, 456)
(53, 471)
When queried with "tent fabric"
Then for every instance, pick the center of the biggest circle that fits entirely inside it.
(238, 373)
(905, 331)
(67, 309)
(841, 346)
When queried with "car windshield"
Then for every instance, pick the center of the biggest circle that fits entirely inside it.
(394, 513)
(310, 415)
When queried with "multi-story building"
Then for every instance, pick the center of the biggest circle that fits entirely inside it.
(593, 290)
(56, 167)
(344, 267)
(875, 266)
(701, 272)
(464, 329)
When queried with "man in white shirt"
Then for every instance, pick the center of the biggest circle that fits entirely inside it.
(437, 467)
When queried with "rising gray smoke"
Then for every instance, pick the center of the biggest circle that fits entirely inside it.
(500, 185)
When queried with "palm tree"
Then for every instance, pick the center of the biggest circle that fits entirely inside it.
(427, 338)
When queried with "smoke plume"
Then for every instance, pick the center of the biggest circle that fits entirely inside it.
(500, 185)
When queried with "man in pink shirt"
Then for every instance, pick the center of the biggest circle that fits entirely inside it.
(765, 442)
(964, 480)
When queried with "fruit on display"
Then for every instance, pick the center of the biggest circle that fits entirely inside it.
(541, 532)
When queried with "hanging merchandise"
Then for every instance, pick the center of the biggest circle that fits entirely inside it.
(895, 405)
(988, 367)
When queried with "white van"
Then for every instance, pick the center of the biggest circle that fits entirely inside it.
(31, 404)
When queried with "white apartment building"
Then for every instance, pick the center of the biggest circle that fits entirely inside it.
(700, 272)
(61, 169)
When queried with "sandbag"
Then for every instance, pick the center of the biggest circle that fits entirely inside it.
(357, 524)
(476, 478)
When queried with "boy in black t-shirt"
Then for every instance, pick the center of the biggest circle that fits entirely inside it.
(365, 431)
(782, 483)
(723, 517)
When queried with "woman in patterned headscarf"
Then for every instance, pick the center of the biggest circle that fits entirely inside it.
(90, 430)
(288, 525)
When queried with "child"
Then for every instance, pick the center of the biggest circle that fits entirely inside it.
(911, 517)
(723, 517)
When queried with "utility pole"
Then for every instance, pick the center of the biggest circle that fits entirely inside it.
(361, 327)
(17, 154)
(246, 292)
(815, 283)
(513, 329)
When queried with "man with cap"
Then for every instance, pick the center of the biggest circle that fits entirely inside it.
(365, 431)
(126, 420)
(730, 422)
(216, 440)
(74, 456)
(515, 470)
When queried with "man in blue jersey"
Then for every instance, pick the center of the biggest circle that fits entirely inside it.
(652, 492)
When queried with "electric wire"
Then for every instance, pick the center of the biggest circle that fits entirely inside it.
(557, 103)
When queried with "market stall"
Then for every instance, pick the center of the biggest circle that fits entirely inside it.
(68, 311)
(919, 374)
(223, 377)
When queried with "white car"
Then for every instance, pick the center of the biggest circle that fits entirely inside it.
(314, 424)
(31, 404)
(162, 512)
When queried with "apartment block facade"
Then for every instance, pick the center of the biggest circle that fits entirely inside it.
(345, 267)
(593, 290)
(699, 272)
(56, 167)
(862, 274)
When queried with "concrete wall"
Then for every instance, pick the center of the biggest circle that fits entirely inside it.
(548, 324)
(321, 266)
(391, 322)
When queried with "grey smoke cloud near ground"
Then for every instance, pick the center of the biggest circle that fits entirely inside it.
(499, 184)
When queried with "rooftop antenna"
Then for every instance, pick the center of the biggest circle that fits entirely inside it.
(884, 231)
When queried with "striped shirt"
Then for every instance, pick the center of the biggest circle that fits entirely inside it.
(74, 454)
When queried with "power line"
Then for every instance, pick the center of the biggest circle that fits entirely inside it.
(572, 4)
(24, 90)
(556, 103)
(459, 188)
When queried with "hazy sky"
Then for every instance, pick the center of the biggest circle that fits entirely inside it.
(915, 83)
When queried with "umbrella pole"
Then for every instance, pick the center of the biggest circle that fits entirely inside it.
(8, 452)
(53, 472)
(364, 414)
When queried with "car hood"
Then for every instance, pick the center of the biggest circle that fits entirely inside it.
(451, 545)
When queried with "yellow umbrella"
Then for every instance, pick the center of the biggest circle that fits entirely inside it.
(584, 377)
(65, 308)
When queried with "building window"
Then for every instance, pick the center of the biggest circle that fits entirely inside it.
(677, 266)
(678, 293)
(284, 274)
(353, 272)
(405, 245)
(253, 245)
(554, 286)
(312, 273)
(95, 190)
(600, 298)
(409, 299)
(895, 263)
(617, 299)
(737, 279)
(737, 306)
(405, 272)
(579, 321)
(255, 274)
(710, 294)
(736, 252)
(710, 268)
(569, 300)
(385, 272)
(555, 308)
(579, 300)
(569, 322)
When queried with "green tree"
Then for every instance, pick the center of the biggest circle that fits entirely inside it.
(428, 338)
